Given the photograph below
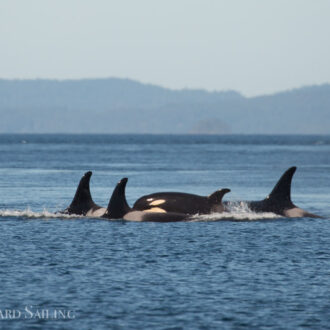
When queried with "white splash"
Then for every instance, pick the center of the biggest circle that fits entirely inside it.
(237, 211)
(27, 213)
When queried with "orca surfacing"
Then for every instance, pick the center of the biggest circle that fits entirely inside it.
(182, 202)
(176, 206)
(279, 200)
(118, 208)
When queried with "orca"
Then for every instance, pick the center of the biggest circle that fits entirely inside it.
(118, 208)
(279, 200)
(82, 203)
(182, 202)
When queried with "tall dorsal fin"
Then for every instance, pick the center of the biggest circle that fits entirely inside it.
(281, 193)
(82, 200)
(118, 205)
(217, 196)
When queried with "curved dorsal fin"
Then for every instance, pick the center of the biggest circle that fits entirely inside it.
(82, 200)
(282, 190)
(217, 196)
(118, 205)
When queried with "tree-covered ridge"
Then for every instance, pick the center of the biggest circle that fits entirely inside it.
(125, 106)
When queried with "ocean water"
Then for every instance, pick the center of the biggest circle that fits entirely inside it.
(246, 270)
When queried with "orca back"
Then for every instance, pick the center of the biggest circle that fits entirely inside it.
(178, 202)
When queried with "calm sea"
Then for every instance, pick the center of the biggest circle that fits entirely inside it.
(81, 273)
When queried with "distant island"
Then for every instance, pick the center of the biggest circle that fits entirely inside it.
(116, 105)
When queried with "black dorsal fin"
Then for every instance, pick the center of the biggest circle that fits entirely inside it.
(217, 196)
(281, 193)
(118, 205)
(82, 200)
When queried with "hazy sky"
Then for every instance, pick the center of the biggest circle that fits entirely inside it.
(251, 46)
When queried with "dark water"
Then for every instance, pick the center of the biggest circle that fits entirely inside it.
(264, 272)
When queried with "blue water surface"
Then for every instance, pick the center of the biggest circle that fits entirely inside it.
(260, 273)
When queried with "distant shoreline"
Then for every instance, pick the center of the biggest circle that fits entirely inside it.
(124, 106)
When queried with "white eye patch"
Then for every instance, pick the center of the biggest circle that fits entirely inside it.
(157, 202)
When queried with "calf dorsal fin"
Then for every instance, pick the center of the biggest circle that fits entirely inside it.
(217, 196)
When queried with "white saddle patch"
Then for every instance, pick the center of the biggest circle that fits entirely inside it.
(155, 209)
(97, 213)
(157, 202)
(134, 216)
(295, 212)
